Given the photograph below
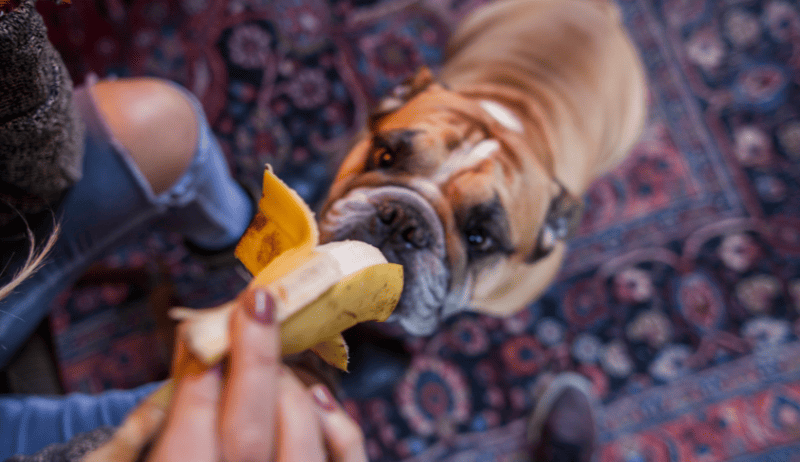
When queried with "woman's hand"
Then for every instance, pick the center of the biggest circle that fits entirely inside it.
(258, 410)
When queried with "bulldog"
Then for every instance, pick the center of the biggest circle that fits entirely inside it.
(473, 179)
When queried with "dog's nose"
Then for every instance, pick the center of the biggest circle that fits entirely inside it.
(403, 225)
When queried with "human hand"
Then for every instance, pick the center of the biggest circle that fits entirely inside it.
(257, 410)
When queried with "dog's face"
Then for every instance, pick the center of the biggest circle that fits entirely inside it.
(449, 189)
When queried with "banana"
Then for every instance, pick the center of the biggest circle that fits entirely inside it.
(319, 290)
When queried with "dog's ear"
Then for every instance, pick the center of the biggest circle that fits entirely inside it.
(421, 80)
(561, 222)
(402, 93)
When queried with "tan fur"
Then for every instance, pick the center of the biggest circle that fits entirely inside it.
(572, 74)
(567, 67)
(568, 71)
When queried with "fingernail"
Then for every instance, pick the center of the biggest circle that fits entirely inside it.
(323, 397)
(262, 309)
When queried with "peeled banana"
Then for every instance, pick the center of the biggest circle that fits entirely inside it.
(319, 290)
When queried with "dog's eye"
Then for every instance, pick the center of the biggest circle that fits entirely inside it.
(392, 147)
(385, 157)
(480, 242)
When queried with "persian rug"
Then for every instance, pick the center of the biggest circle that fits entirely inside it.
(680, 299)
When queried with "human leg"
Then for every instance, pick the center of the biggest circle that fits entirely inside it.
(114, 201)
(154, 121)
(163, 131)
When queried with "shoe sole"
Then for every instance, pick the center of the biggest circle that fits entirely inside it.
(545, 403)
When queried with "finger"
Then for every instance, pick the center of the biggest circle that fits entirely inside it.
(190, 432)
(299, 434)
(343, 437)
(249, 400)
(137, 430)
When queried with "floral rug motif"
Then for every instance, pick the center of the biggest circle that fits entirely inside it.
(680, 298)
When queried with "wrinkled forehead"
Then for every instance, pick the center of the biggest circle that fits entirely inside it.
(487, 173)
(489, 160)
(437, 102)
(461, 132)
(425, 108)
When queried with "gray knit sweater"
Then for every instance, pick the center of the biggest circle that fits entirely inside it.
(41, 135)
(41, 148)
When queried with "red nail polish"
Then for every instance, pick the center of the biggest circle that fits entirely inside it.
(262, 307)
(323, 397)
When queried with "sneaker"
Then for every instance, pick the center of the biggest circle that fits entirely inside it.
(562, 427)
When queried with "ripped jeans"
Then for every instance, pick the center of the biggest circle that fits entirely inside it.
(109, 205)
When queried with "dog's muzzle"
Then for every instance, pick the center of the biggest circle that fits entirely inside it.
(406, 228)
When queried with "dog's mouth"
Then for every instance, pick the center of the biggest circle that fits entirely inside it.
(405, 227)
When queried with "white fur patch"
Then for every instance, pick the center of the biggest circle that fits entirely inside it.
(459, 161)
(502, 114)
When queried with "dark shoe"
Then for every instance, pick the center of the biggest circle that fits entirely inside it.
(215, 259)
(562, 428)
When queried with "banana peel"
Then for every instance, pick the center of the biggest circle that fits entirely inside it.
(319, 290)
(283, 222)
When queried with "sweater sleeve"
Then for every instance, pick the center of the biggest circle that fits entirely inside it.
(41, 135)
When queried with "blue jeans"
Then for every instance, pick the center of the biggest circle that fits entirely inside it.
(29, 423)
(110, 204)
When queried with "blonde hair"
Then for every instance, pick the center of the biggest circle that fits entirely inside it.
(32, 264)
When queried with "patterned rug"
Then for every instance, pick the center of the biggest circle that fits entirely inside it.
(681, 296)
